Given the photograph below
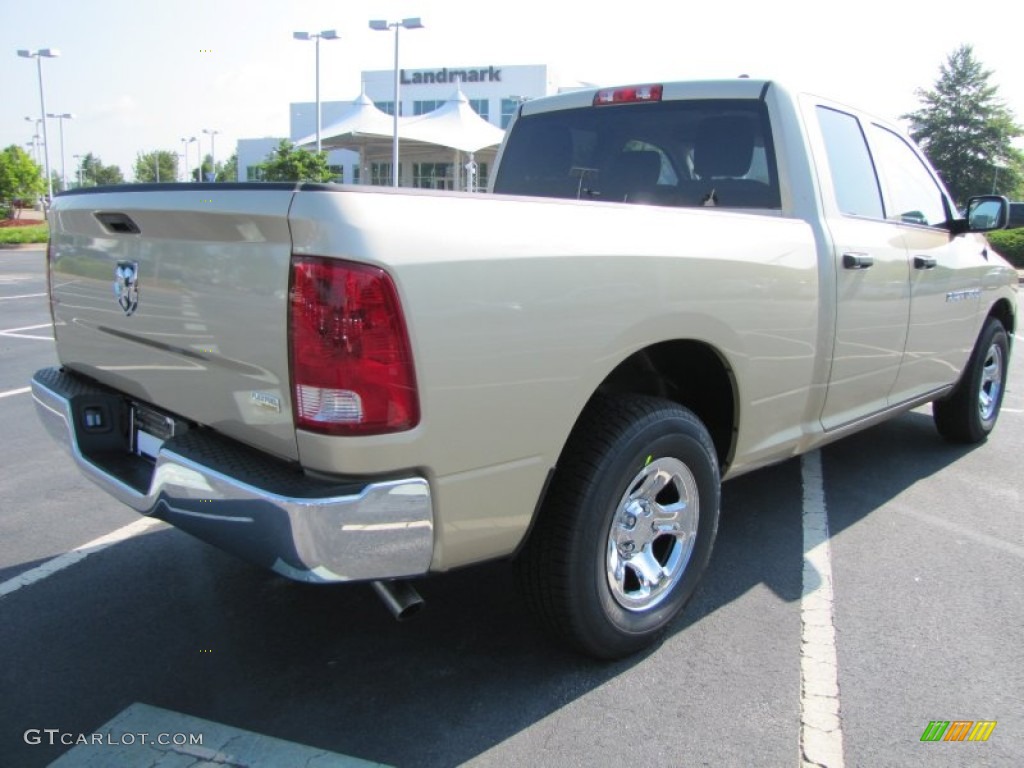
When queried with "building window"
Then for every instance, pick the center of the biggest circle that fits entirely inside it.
(254, 173)
(433, 176)
(380, 174)
(337, 173)
(355, 174)
(386, 106)
(481, 107)
(508, 110)
(423, 107)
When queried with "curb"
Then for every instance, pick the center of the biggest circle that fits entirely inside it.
(22, 246)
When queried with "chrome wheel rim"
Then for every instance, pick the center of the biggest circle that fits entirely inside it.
(652, 534)
(991, 383)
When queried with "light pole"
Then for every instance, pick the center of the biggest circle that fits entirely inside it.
(186, 142)
(995, 178)
(49, 53)
(327, 34)
(381, 25)
(63, 167)
(35, 144)
(37, 121)
(213, 150)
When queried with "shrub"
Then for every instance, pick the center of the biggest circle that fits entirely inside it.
(36, 233)
(1010, 244)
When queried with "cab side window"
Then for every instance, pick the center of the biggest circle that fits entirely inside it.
(914, 195)
(853, 171)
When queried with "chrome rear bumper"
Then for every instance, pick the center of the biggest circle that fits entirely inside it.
(239, 499)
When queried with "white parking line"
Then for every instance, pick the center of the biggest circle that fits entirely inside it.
(11, 392)
(821, 735)
(23, 296)
(61, 562)
(15, 333)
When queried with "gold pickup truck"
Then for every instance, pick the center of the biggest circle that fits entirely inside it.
(670, 285)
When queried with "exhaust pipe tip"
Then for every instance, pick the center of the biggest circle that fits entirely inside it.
(400, 597)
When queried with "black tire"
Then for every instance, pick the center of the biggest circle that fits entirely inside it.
(582, 577)
(969, 414)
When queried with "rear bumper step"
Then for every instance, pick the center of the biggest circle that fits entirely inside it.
(243, 501)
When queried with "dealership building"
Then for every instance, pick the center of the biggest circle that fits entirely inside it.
(493, 91)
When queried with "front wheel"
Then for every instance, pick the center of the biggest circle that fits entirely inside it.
(627, 527)
(969, 414)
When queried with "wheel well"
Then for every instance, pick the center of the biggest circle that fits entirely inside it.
(1004, 314)
(689, 373)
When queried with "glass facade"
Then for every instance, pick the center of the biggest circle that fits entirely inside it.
(433, 175)
(425, 106)
(380, 174)
(482, 107)
(508, 110)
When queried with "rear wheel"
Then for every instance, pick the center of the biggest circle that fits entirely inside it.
(627, 527)
(969, 414)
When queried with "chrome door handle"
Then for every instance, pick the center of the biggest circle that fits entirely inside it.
(923, 262)
(857, 261)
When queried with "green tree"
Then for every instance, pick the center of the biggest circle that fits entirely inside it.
(20, 178)
(96, 174)
(967, 131)
(228, 171)
(149, 164)
(288, 163)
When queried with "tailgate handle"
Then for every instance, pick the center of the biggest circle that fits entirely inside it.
(118, 223)
(923, 262)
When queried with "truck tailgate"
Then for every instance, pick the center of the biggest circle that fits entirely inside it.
(177, 296)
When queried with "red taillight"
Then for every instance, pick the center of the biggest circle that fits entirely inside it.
(351, 362)
(630, 95)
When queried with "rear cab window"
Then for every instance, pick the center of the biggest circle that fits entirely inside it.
(709, 152)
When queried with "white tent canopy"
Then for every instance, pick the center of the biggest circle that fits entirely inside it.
(424, 138)
(360, 122)
(454, 124)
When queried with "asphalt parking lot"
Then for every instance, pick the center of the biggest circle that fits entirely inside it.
(152, 632)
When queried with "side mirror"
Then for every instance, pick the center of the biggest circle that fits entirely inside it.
(985, 213)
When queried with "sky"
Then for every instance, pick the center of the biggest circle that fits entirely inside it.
(141, 74)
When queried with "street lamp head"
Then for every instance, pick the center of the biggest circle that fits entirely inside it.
(376, 24)
(413, 23)
(62, 116)
(49, 53)
(301, 36)
(330, 34)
